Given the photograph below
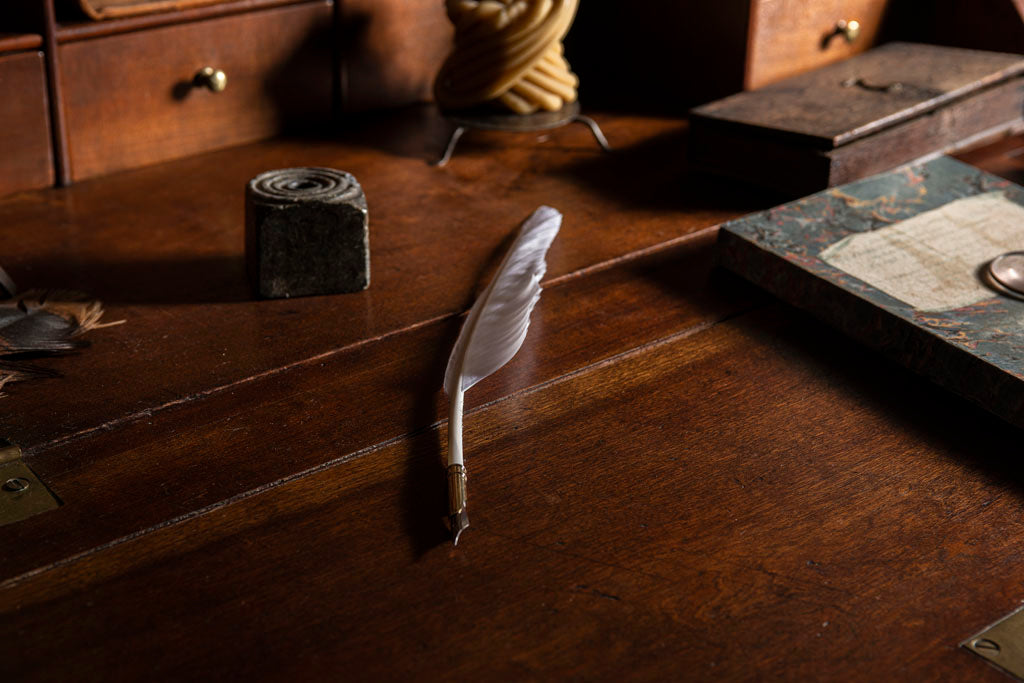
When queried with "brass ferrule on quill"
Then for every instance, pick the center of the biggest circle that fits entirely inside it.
(457, 516)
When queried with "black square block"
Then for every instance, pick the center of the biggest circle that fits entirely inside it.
(306, 233)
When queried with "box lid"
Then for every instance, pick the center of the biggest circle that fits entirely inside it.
(112, 9)
(837, 104)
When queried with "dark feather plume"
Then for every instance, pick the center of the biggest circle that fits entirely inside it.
(39, 323)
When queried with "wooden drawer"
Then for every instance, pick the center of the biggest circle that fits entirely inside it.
(130, 99)
(24, 123)
(789, 37)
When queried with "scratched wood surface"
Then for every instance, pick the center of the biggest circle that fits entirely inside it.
(167, 255)
(675, 478)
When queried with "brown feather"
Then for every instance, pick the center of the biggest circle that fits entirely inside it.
(15, 372)
(74, 307)
(25, 329)
(41, 323)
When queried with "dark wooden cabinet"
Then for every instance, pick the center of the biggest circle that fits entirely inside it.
(27, 160)
(133, 98)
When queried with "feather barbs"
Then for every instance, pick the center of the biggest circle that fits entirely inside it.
(43, 322)
(496, 325)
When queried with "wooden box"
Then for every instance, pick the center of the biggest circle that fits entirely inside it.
(862, 116)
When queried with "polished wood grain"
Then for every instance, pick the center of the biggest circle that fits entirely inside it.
(113, 9)
(789, 38)
(167, 255)
(580, 323)
(130, 100)
(72, 27)
(674, 477)
(761, 499)
(16, 42)
(24, 122)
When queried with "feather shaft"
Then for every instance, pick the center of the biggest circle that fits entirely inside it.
(455, 428)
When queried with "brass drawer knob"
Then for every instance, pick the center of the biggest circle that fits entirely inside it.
(849, 29)
(214, 79)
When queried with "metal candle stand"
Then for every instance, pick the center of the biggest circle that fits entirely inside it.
(546, 120)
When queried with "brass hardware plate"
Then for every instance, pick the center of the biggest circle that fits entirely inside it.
(21, 493)
(1002, 643)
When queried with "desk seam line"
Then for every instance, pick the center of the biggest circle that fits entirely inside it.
(355, 455)
(561, 280)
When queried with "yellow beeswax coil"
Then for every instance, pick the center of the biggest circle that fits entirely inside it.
(508, 52)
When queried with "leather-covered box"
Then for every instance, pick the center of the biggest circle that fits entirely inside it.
(889, 106)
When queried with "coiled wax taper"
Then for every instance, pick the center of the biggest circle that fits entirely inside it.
(508, 52)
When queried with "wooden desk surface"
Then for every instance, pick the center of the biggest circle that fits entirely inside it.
(676, 478)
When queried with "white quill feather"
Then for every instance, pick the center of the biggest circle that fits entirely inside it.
(496, 325)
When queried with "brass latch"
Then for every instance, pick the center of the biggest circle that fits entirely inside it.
(21, 493)
(1002, 644)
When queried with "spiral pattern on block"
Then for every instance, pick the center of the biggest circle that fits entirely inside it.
(305, 184)
(508, 52)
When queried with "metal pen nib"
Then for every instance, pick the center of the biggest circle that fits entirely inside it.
(457, 517)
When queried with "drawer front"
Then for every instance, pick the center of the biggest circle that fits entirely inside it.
(24, 124)
(130, 99)
(788, 37)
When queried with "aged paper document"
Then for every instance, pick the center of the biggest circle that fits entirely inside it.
(932, 261)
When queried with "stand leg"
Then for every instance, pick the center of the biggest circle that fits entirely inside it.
(454, 140)
(595, 129)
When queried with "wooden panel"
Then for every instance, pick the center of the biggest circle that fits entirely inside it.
(392, 51)
(129, 99)
(24, 124)
(71, 26)
(788, 38)
(16, 42)
(758, 500)
(111, 9)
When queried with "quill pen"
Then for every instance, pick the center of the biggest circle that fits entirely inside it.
(492, 333)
